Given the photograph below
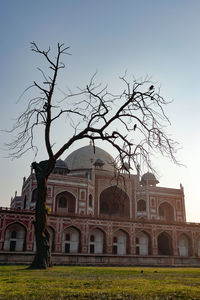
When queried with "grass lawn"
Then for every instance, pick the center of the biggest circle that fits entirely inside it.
(18, 282)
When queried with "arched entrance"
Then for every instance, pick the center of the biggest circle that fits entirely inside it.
(164, 244)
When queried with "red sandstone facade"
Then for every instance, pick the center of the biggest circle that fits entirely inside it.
(96, 219)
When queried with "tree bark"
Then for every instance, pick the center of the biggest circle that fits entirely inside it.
(42, 258)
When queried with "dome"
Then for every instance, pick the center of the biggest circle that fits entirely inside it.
(85, 158)
(60, 164)
(60, 167)
(149, 179)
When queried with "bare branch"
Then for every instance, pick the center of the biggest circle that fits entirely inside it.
(133, 121)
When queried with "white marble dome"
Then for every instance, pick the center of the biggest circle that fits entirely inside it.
(85, 158)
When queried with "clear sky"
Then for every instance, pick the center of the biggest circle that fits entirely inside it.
(145, 37)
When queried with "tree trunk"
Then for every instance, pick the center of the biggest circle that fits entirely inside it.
(42, 258)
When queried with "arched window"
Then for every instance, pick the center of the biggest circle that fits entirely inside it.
(114, 202)
(141, 206)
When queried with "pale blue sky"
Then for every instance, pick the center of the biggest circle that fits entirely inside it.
(146, 37)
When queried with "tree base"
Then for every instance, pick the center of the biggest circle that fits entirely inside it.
(41, 262)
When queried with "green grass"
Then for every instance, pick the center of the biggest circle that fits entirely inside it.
(18, 282)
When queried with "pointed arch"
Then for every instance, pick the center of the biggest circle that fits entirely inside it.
(166, 212)
(184, 245)
(164, 244)
(71, 240)
(143, 243)
(15, 237)
(65, 202)
(114, 201)
(97, 241)
(121, 242)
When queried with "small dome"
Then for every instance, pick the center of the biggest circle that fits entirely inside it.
(86, 157)
(60, 164)
(148, 179)
(60, 167)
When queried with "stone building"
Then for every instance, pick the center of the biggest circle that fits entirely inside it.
(96, 217)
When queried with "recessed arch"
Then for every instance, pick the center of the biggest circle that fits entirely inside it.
(164, 244)
(166, 212)
(15, 237)
(71, 240)
(97, 241)
(184, 245)
(65, 202)
(114, 202)
(121, 242)
(143, 243)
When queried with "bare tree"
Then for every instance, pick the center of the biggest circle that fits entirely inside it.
(132, 122)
